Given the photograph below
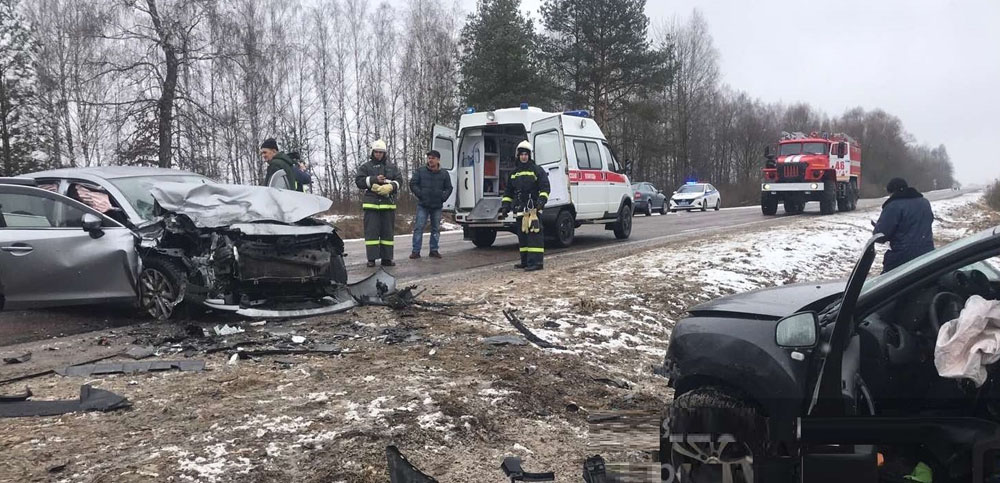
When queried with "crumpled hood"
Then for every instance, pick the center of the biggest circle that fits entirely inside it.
(774, 302)
(217, 205)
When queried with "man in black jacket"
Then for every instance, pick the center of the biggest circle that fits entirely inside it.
(379, 181)
(432, 187)
(905, 221)
(526, 193)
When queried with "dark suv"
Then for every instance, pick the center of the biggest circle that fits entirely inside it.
(837, 381)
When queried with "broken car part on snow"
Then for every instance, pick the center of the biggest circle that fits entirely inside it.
(131, 368)
(91, 399)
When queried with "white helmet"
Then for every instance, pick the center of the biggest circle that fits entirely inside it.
(525, 145)
(378, 145)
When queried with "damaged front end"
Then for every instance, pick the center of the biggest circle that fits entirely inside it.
(256, 267)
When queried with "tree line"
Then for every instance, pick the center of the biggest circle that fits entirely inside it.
(197, 84)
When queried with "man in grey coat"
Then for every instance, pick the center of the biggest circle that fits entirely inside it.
(432, 187)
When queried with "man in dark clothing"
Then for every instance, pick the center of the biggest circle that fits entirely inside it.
(906, 223)
(301, 169)
(280, 173)
(526, 193)
(379, 181)
(432, 187)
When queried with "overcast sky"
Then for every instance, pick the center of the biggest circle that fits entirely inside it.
(933, 63)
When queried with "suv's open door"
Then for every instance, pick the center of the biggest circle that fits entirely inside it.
(444, 141)
(549, 143)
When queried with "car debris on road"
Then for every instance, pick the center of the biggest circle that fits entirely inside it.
(91, 399)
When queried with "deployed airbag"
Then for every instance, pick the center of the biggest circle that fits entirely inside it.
(218, 205)
(967, 345)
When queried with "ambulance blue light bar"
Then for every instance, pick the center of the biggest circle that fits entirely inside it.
(577, 113)
(470, 110)
(524, 106)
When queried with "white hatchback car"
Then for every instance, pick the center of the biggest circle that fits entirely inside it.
(695, 196)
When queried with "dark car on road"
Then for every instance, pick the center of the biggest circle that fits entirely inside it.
(648, 199)
(836, 381)
(164, 237)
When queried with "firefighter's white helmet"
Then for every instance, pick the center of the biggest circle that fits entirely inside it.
(378, 145)
(524, 145)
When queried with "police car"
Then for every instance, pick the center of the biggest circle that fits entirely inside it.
(588, 184)
(695, 196)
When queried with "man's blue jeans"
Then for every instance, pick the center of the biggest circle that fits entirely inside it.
(418, 228)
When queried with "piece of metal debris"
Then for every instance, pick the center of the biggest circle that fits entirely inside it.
(401, 471)
(373, 288)
(56, 468)
(226, 330)
(91, 399)
(511, 316)
(511, 467)
(16, 397)
(298, 339)
(140, 352)
(505, 340)
(612, 382)
(131, 367)
(317, 349)
(18, 359)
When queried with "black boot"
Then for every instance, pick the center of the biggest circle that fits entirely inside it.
(533, 268)
(524, 261)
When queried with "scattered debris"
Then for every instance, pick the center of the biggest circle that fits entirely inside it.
(18, 359)
(130, 367)
(530, 369)
(226, 330)
(258, 323)
(233, 359)
(56, 468)
(51, 371)
(91, 399)
(516, 322)
(572, 407)
(140, 352)
(613, 383)
(372, 289)
(595, 470)
(511, 467)
(16, 397)
(298, 339)
(400, 334)
(317, 349)
(401, 471)
(505, 340)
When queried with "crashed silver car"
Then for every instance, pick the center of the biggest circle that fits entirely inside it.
(253, 250)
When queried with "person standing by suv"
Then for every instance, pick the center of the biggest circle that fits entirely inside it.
(379, 181)
(432, 187)
(905, 221)
(527, 192)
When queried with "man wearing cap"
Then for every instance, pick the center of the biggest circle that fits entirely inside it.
(905, 221)
(280, 173)
(379, 181)
(526, 193)
(431, 187)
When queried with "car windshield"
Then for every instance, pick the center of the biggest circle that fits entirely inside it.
(873, 283)
(692, 188)
(137, 189)
(790, 148)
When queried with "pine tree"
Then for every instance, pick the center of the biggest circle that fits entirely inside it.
(19, 116)
(499, 61)
(601, 54)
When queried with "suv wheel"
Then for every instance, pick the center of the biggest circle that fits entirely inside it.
(484, 237)
(565, 229)
(161, 287)
(623, 228)
(704, 462)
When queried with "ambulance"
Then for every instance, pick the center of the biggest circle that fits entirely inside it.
(588, 184)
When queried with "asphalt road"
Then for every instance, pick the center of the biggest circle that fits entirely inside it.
(460, 255)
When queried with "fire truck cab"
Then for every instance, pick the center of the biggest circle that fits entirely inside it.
(588, 184)
(820, 167)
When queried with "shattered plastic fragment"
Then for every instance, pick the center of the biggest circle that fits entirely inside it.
(226, 330)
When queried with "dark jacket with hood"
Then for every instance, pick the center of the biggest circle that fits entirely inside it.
(526, 185)
(906, 222)
(367, 177)
(280, 173)
(432, 188)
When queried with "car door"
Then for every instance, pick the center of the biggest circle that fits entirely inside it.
(48, 259)
(591, 185)
(549, 144)
(443, 141)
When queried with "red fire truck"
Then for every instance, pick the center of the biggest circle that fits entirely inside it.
(820, 166)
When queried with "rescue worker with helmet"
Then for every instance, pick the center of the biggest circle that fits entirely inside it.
(526, 193)
(379, 181)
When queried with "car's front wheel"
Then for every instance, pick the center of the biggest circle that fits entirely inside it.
(162, 285)
(697, 459)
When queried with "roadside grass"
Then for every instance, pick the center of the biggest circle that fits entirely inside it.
(992, 195)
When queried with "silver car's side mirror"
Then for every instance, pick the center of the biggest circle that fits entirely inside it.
(797, 331)
(92, 224)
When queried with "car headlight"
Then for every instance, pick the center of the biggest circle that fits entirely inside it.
(767, 186)
(814, 186)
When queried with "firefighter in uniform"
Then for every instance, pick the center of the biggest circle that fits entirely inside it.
(526, 193)
(379, 181)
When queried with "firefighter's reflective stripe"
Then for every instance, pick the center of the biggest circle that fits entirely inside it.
(532, 250)
(507, 199)
(372, 242)
(543, 193)
(523, 173)
(373, 206)
(388, 242)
